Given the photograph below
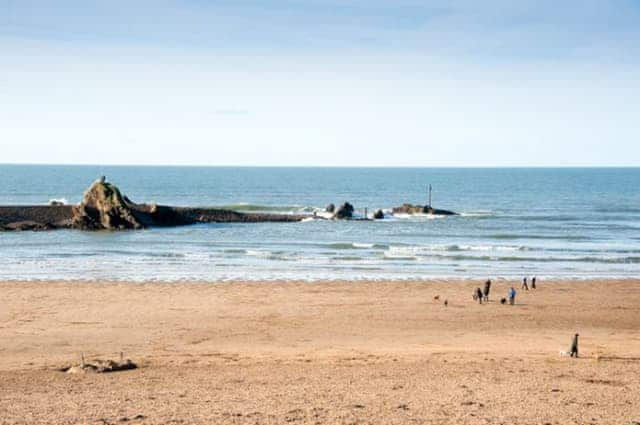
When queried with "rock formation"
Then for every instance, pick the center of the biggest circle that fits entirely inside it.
(104, 208)
(345, 211)
(420, 209)
(378, 215)
(330, 208)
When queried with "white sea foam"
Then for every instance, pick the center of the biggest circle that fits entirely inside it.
(257, 253)
(426, 249)
(487, 248)
(478, 214)
(62, 201)
(419, 216)
(321, 213)
(400, 254)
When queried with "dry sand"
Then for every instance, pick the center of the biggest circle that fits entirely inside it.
(320, 353)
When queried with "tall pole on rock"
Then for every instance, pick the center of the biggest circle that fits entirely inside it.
(429, 196)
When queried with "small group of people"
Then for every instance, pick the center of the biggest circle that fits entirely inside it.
(525, 286)
(482, 295)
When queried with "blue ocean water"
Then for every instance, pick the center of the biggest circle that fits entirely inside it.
(549, 222)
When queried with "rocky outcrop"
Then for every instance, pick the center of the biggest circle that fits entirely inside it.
(378, 215)
(435, 211)
(420, 209)
(408, 209)
(104, 208)
(344, 212)
(330, 208)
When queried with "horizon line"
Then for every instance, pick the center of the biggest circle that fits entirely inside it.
(309, 166)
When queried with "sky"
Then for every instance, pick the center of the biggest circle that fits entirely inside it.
(320, 82)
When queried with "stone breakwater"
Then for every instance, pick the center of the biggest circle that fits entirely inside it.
(104, 208)
(35, 217)
(61, 217)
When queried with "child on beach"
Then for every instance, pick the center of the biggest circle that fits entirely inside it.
(512, 295)
(533, 283)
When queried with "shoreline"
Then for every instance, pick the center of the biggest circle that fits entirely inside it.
(364, 280)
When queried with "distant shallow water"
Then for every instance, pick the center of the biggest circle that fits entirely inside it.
(567, 223)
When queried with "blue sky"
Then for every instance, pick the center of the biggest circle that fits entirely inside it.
(390, 83)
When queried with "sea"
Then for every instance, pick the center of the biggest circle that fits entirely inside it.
(575, 223)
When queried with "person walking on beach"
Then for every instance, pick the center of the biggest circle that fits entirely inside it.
(512, 295)
(533, 283)
(487, 288)
(479, 295)
(524, 284)
(574, 346)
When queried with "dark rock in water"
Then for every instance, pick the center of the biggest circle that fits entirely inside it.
(409, 209)
(104, 208)
(420, 209)
(330, 208)
(345, 211)
(435, 211)
(378, 215)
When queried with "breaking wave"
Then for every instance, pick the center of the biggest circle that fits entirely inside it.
(357, 245)
(290, 209)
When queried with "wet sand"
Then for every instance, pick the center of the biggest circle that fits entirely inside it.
(341, 352)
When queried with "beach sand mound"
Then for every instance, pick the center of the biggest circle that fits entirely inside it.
(105, 208)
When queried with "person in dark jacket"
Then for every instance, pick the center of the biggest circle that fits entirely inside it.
(479, 295)
(524, 284)
(487, 288)
(533, 283)
(574, 346)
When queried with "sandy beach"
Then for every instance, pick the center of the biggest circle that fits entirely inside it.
(320, 353)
